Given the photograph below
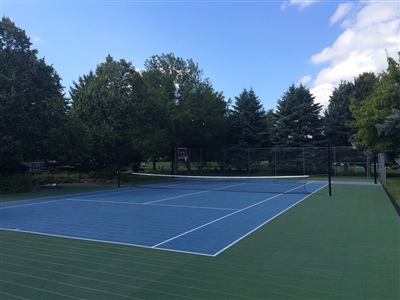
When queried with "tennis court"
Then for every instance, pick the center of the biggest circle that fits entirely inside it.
(198, 216)
(340, 247)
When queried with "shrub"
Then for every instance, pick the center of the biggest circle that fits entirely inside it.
(15, 184)
(102, 175)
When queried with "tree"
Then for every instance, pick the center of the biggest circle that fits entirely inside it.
(364, 85)
(338, 115)
(190, 112)
(297, 124)
(248, 121)
(297, 120)
(112, 104)
(380, 104)
(391, 128)
(33, 109)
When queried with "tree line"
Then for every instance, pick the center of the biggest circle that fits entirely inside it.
(117, 115)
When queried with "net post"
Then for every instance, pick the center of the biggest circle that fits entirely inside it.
(329, 168)
(174, 159)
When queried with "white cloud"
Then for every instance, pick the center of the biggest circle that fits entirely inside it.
(36, 40)
(305, 79)
(370, 28)
(300, 3)
(348, 68)
(376, 13)
(342, 10)
(322, 93)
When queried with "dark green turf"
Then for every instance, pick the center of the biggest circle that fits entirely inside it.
(340, 247)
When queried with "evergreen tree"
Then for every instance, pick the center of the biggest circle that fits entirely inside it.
(298, 124)
(249, 121)
(297, 119)
(338, 115)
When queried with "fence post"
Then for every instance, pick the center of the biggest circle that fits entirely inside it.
(248, 161)
(201, 161)
(329, 169)
(375, 173)
(334, 160)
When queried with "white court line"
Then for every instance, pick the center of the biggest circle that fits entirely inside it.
(101, 201)
(30, 204)
(201, 192)
(219, 219)
(270, 219)
(51, 199)
(153, 247)
(198, 207)
(145, 204)
(175, 197)
(106, 193)
(102, 241)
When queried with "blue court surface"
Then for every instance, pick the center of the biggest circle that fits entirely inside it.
(190, 219)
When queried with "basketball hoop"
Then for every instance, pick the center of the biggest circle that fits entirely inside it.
(183, 154)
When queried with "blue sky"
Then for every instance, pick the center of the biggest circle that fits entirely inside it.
(264, 45)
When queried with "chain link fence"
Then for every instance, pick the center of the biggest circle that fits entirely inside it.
(345, 161)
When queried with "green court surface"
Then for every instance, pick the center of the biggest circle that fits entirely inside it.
(340, 247)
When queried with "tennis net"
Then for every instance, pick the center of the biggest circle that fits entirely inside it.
(249, 184)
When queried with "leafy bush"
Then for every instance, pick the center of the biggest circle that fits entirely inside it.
(58, 177)
(102, 175)
(15, 184)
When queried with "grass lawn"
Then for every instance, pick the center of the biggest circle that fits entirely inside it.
(393, 184)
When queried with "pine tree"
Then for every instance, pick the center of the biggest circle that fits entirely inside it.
(297, 119)
(298, 124)
(338, 115)
(249, 121)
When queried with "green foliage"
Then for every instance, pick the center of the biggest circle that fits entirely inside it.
(102, 174)
(393, 184)
(189, 111)
(58, 177)
(113, 109)
(297, 120)
(248, 121)
(119, 116)
(391, 129)
(364, 85)
(338, 115)
(32, 105)
(15, 184)
(373, 110)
